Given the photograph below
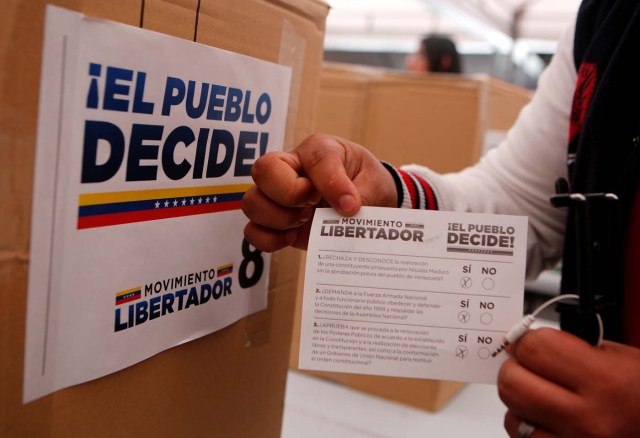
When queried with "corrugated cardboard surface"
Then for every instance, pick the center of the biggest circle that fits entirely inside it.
(414, 121)
(228, 384)
(339, 106)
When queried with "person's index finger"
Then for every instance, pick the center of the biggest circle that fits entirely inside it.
(278, 175)
(323, 160)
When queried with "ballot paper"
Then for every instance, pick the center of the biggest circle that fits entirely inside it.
(412, 293)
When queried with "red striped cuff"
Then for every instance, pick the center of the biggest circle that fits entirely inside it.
(412, 190)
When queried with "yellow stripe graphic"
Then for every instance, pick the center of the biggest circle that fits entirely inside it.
(128, 291)
(144, 195)
(223, 267)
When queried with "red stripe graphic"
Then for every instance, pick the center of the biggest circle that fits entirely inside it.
(152, 215)
(131, 298)
(224, 272)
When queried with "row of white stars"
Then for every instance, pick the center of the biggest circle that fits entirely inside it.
(184, 202)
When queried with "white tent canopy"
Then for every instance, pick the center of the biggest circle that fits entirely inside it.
(477, 26)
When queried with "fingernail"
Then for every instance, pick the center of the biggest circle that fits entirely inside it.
(291, 236)
(314, 199)
(347, 203)
(305, 215)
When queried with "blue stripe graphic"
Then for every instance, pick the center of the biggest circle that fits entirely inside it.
(126, 207)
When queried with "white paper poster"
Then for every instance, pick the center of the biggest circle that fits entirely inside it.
(144, 149)
(412, 293)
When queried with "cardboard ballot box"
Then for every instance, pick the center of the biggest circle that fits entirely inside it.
(437, 120)
(230, 383)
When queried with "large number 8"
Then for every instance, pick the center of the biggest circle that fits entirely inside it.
(254, 257)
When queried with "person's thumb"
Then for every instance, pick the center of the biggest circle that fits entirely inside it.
(325, 161)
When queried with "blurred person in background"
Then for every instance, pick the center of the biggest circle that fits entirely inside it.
(437, 54)
(582, 125)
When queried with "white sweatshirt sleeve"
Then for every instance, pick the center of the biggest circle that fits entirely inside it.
(518, 177)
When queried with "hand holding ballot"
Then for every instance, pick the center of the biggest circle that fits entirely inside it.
(568, 388)
(289, 185)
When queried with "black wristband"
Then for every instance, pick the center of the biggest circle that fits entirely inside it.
(396, 179)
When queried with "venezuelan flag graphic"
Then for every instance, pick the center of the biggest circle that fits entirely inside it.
(224, 270)
(116, 208)
(128, 295)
